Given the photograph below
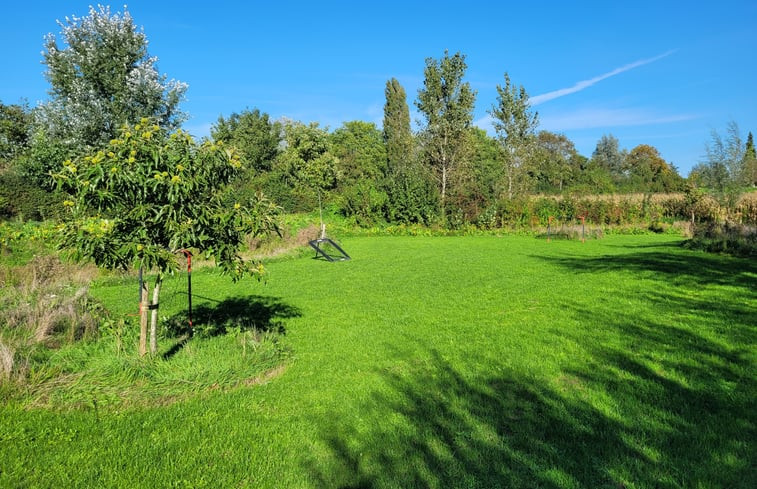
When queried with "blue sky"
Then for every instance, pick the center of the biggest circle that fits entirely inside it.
(659, 73)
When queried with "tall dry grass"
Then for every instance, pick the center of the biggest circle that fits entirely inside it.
(43, 304)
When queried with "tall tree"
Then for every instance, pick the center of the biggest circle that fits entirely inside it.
(447, 103)
(515, 126)
(101, 78)
(749, 162)
(397, 135)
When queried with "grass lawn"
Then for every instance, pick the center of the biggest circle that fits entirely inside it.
(626, 362)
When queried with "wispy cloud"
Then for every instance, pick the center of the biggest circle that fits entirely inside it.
(600, 118)
(583, 85)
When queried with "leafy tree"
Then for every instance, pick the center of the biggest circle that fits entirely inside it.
(608, 156)
(649, 172)
(101, 78)
(412, 197)
(553, 161)
(306, 169)
(515, 126)
(362, 169)
(147, 196)
(722, 168)
(15, 123)
(254, 136)
(397, 135)
(477, 184)
(446, 102)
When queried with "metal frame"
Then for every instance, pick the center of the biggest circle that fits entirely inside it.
(316, 245)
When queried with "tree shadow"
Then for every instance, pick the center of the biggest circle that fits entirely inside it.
(654, 401)
(681, 267)
(215, 317)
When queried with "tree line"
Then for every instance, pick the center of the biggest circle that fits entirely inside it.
(446, 172)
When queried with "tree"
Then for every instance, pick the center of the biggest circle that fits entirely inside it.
(553, 161)
(254, 136)
(147, 196)
(721, 169)
(15, 123)
(649, 172)
(397, 135)
(515, 126)
(446, 102)
(102, 78)
(362, 169)
(608, 156)
(749, 162)
(412, 197)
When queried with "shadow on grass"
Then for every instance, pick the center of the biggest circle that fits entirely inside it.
(652, 403)
(245, 313)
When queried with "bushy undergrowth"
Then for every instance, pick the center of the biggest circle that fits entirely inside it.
(727, 237)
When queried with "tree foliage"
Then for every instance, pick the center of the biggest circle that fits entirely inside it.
(446, 103)
(148, 195)
(397, 134)
(515, 126)
(15, 123)
(254, 136)
(101, 78)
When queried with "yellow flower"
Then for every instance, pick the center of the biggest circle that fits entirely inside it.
(137, 127)
(140, 247)
(144, 120)
(68, 203)
(113, 169)
(175, 179)
(158, 176)
(111, 154)
(237, 206)
(127, 135)
(146, 135)
(180, 167)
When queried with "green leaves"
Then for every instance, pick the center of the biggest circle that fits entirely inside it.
(149, 194)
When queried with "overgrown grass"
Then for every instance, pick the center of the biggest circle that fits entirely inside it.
(434, 362)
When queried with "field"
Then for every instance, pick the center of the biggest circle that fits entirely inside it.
(625, 362)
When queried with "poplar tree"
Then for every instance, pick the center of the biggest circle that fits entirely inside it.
(515, 126)
(446, 103)
(397, 135)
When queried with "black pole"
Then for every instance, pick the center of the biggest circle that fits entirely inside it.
(188, 254)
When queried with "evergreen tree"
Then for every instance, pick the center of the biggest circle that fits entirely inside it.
(749, 162)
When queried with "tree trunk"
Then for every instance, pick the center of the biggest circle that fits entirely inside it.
(143, 306)
(154, 315)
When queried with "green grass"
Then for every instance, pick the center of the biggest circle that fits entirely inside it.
(627, 362)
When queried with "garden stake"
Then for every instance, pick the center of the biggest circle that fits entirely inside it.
(188, 254)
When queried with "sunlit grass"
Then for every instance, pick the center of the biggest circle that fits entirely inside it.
(434, 362)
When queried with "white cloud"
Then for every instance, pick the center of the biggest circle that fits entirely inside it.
(582, 85)
(598, 118)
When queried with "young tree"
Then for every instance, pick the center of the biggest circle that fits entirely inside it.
(447, 103)
(553, 161)
(515, 126)
(722, 168)
(101, 78)
(149, 195)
